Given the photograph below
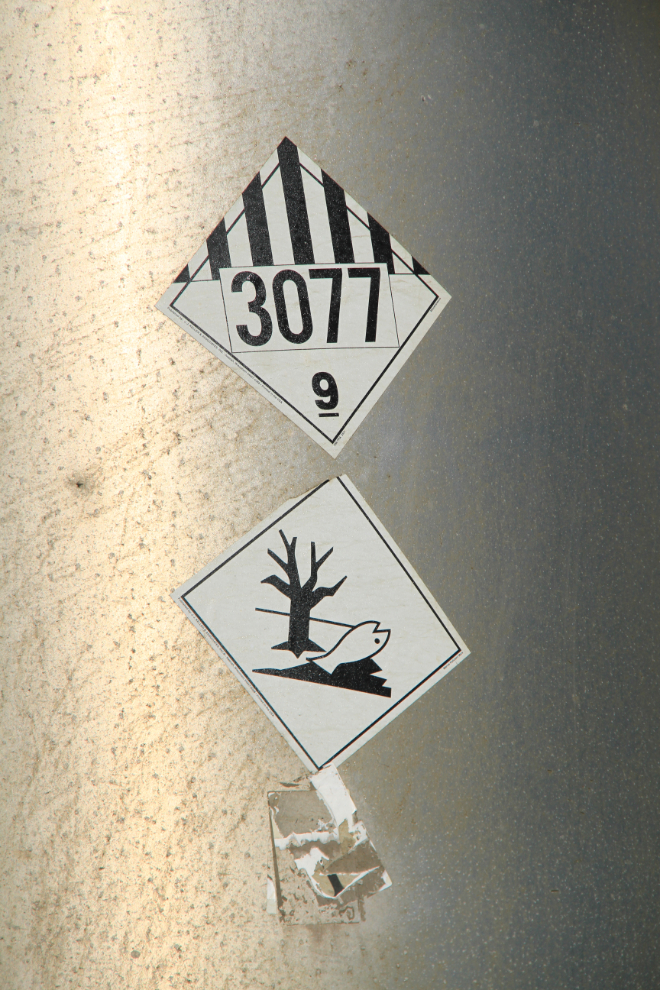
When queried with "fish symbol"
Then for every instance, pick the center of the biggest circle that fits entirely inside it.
(361, 642)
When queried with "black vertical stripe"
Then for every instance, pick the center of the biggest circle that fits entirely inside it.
(418, 269)
(218, 249)
(183, 276)
(340, 230)
(380, 242)
(296, 207)
(257, 223)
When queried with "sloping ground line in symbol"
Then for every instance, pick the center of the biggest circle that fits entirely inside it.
(273, 611)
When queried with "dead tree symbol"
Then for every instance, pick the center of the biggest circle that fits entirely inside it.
(303, 598)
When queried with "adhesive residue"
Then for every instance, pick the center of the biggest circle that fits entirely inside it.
(325, 865)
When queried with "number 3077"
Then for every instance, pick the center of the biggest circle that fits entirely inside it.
(292, 282)
(321, 308)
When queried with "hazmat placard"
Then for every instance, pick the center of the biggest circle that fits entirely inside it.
(324, 621)
(307, 297)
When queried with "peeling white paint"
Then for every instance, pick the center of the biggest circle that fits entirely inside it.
(334, 793)
(318, 838)
(271, 897)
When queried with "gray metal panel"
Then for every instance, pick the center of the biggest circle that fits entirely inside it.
(513, 148)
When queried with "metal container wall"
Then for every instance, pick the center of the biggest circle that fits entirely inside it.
(513, 148)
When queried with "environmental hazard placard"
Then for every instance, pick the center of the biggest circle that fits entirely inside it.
(324, 621)
(307, 297)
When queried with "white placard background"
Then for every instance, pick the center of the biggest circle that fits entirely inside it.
(323, 722)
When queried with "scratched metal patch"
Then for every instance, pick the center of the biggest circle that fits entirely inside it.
(325, 865)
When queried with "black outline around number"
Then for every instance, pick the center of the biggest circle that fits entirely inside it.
(234, 356)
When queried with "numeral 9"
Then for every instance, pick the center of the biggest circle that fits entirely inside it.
(329, 392)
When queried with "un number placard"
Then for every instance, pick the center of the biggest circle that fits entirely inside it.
(286, 308)
(307, 297)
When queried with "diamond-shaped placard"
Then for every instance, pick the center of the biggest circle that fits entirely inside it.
(324, 621)
(307, 297)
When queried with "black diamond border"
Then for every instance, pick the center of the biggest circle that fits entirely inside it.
(225, 651)
(274, 391)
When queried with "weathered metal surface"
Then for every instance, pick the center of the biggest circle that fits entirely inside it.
(513, 149)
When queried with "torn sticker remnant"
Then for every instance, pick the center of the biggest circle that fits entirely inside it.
(325, 864)
(271, 897)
